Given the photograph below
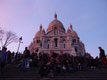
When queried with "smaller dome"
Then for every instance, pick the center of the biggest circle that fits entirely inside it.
(73, 33)
(38, 34)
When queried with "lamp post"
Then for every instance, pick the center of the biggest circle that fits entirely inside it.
(20, 41)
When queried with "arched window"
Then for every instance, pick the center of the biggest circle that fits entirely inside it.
(74, 41)
(48, 43)
(48, 46)
(55, 30)
(56, 42)
(64, 45)
(38, 41)
(76, 49)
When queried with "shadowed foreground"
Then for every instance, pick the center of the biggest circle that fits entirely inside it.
(13, 73)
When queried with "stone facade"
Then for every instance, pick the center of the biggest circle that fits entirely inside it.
(56, 39)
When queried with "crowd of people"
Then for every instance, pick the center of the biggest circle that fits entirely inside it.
(51, 64)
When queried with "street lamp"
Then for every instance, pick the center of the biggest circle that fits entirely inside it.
(20, 41)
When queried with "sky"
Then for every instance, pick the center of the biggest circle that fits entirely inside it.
(88, 18)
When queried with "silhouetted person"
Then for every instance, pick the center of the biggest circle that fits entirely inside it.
(26, 57)
(102, 52)
(102, 56)
(3, 58)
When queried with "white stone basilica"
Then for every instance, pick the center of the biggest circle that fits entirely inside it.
(57, 40)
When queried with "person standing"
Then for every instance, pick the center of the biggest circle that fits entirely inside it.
(26, 57)
(102, 56)
(3, 58)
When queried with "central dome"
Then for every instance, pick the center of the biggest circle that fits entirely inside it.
(55, 24)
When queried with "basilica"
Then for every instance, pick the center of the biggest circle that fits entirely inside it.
(57, 40)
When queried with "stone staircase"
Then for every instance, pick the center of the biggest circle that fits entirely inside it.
(13, 73)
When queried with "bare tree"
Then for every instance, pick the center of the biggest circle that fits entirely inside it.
(1, 36)
(7, 37)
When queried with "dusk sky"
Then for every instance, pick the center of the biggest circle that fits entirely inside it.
(88, 18)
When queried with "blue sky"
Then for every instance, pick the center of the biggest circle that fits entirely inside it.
(88, 17)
